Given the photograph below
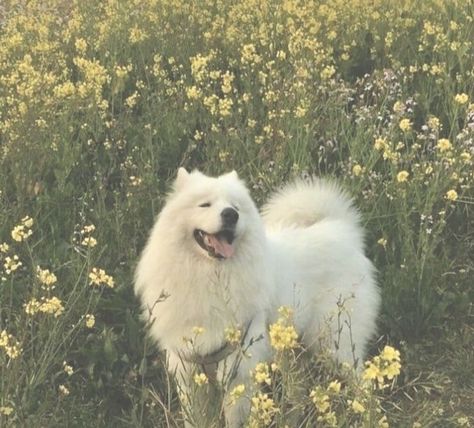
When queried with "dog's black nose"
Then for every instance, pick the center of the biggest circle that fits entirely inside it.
(229, 216)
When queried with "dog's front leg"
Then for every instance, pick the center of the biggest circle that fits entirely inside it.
(198, 400)
(255, 349)
(181, 371)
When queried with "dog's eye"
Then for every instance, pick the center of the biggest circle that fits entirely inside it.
(205, 205)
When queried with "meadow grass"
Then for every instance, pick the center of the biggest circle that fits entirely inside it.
(100, 102)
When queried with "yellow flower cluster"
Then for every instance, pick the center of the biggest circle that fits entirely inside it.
(451, 195)
(6, 410)
(68, 369)
(23, 231)
(405, 125)
(233, 335)
(461, 98)
(283, 335)
(357, 170)
(444, 145)
(262, 374)
(201, 379)
(262, 411)
(11, 264)
(10, 345)
(236, 393)
(321, 398)
(98, 277)
(402, 176)
(46, 278)
(46, 305)
(88, 240)
(90, 320)
(63, 390)
(386, 365)
(356, 406)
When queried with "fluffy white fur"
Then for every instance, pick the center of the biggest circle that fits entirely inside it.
(305, 251)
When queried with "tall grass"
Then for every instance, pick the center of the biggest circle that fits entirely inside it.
(100, 102)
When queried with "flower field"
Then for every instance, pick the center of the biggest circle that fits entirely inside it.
(102, 101)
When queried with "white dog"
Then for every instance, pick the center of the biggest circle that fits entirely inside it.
(212, 261)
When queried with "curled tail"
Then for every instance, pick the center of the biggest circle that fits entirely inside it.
(304, 203)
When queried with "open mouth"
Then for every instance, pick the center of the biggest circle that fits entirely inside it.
(217, 245)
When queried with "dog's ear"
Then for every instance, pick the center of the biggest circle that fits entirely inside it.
(181, 178)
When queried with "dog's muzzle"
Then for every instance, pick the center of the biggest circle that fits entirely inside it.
(220, 245)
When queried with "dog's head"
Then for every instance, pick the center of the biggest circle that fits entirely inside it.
(214, 212)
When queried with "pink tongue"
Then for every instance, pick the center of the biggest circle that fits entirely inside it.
(221, 247)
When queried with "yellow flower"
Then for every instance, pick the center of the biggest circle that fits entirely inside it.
(68, 369)
(63, 390)
(89, 241)
(10, 345)
(327, 72)
(465, 157)
(334, 387)
(382, 242)
(380, 144)
(405, 125)
(233, 335)
(320, 399)
(98, 277)
(47, 278)
(6, 410)
(225, 106)
(51, 305)
(386, 365)
(80, 45)
(372, 372)
(137, 35)
(434, 123)
(399, 107)
(88, 229)
(27, 222)
(443, 145)
(200, 379)
(249, 54)
(357, 407)
(357, 170)
(383, 422)
(402, 176)
(300, 111)
(4, 247)
(262, 374)
(32, 307)
(90, 320)
(262, 410)
(131, 101)
(236, 393)
(22, 231)
(227, 79)
(193, 93)
(11, 264)
(389, 353)
(283, 337)
(461, 98)
(451, 195)
(392, 370)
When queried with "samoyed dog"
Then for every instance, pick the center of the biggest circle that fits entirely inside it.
(213, 262)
